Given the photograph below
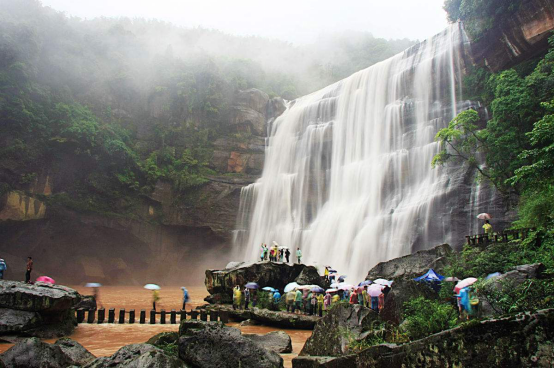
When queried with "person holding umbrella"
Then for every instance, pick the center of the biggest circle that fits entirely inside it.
(3, 267)
(320, 304)
(488, 229)
(185, 298)
(247, 297)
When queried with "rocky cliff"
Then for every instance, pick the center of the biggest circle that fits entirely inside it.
(157, 237)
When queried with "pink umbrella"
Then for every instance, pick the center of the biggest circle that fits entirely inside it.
(46, 279)
(375, 290)
(484, 216)
(464, 283)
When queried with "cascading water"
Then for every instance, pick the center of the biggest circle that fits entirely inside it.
(347, 174)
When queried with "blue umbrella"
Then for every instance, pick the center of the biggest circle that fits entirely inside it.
(317, 289)
(365, 283)
(332, 270)
(252, 285)
(496, 274)
(271, 289)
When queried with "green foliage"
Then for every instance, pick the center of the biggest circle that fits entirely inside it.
(425, 317)
(533, 294)
(479, 15)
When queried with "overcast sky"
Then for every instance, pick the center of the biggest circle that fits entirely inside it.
(296, 21)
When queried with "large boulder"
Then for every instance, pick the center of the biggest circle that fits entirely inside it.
(413, 265)
(213, 345)
(277, 341)
(280, 319)
(75, 352)
(524, 340)
(163, 338)
(343, 324)
(503, 284)
(33, 353)
(138, 355)
(402, 291)
(220, 283)
(41, 310)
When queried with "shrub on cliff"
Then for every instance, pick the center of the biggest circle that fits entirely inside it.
(425, 317)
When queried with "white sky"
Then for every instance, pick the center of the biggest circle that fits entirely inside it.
(296, 21)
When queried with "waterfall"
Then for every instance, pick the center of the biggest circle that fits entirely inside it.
(347, 174)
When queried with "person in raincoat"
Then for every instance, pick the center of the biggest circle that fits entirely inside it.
(236, 298)
(345, 295)
(3, 267)
(276, 251)
(307, 295)
(290, 301)
(265, 252)
(299, 255)
(464, 295)
(320, 303)
(155, 299)
(365, 297)
(262, 251)
(276, 299)
(353, 299)
(327, 301)
(488, 229)
(374, 300)
(335, 299)
(326, 274)
(381, 301)
(287, 254)
(298, 300)
(185, 298)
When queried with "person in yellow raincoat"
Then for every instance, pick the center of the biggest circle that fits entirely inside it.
(320, 299)
(236, 297)
(155, 298)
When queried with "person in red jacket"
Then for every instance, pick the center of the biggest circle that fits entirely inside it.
(353, 298)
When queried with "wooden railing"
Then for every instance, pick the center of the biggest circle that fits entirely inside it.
(496, 237)
(175, 317)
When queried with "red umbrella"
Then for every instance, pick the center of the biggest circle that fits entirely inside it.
(46, 279)
(484, 216)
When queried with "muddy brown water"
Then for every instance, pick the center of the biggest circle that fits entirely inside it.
(106, 339)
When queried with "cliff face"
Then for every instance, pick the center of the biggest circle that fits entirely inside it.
(166, 236)
(518, 38)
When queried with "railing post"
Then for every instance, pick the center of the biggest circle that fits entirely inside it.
(131, 316)
(142, 318)
(203, 316)
(101, 315)
(121, 316)
(90, 318)
(182, 315)
(194, 314)
(505, 237)
(111, 315)
(173, 319)
(152, 316)
(80, 315)
(213, 316)
(162, 316)
(467, 240)
(224, 317)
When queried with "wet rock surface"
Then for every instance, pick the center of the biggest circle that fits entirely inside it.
(138, 355)
(40, 310)
(277, 341)
(87, 302)
(343, 322)
(413, 265)
(163, 338)
(401, 292)
(521, 340)
(33, 353)
(212, 344)
(220, 283)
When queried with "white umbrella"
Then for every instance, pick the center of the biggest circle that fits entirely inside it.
(291, 286)
(484, 216)
(464, 283)
(345, 286)
(151, 286)
(93, 284)
(383, 282)
(374, 290)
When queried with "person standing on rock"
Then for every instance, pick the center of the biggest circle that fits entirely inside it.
(236, 298)
(185, 298)
(327, 301)
(3, 267)
(320, 304)
(247, 298)
(313, 304)
(290, 301)
(277, 299)
(29, 270)
(262, 252)
(353, 298)
(287, 254)
(299, 255)
(298, 300)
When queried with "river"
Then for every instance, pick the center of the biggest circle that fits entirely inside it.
(106, 339)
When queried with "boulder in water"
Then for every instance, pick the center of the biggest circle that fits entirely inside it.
(41, 310)
(277, 341)
(342, 324)
(138, 355)
(213, 345)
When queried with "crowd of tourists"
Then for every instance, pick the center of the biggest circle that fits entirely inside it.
(276, 253)
(312, 299)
